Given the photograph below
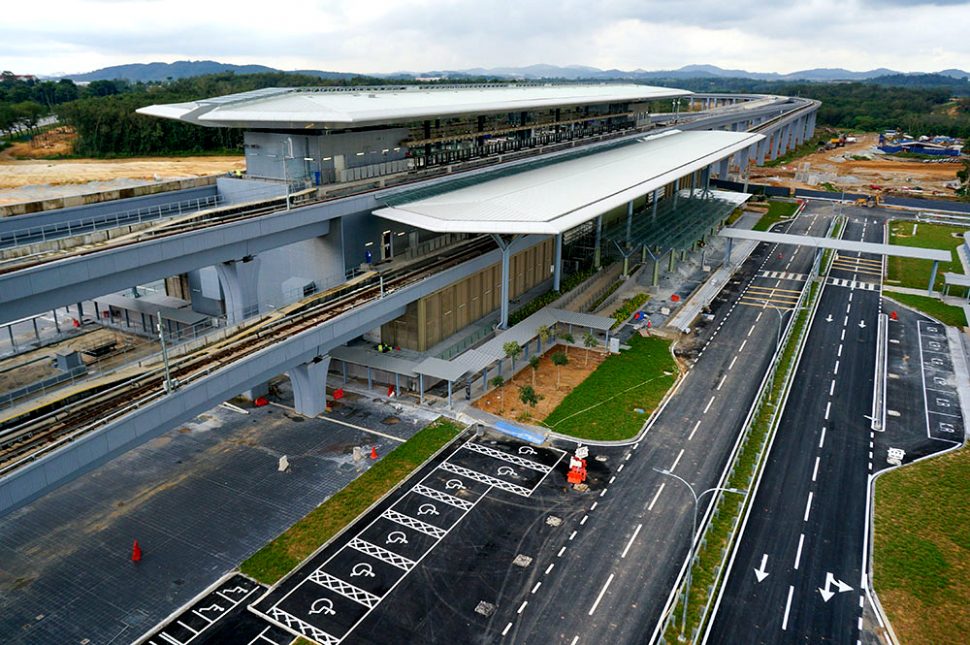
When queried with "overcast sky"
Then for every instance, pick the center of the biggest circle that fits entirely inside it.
(66, 36)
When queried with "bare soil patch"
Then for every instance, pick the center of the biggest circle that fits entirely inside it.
(504, 401)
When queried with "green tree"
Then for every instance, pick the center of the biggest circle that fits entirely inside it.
(534, 364)
(527, 395)
(497, 382)
(559, 359)
(589, 341)
(545, 334)
(512, 351)
(568, 339)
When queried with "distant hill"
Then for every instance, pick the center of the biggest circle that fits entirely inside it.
(146, 72)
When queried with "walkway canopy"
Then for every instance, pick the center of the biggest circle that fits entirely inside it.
(850, 246)
(556, 197)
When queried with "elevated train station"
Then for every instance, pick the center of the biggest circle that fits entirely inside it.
(392, 215)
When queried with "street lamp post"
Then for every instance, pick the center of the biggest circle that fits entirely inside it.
(690, 559)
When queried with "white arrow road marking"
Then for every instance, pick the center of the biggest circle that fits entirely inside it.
(830, 579)
(862, 324)
(761, 573)
(828, 318)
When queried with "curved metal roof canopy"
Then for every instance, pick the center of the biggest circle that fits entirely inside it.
(555, 198)
(329, 107)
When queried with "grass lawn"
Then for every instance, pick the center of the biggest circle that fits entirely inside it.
(907, 272)
(946, 314)
(283, 554)
(777, 211)
(638, 378)
(921, 559)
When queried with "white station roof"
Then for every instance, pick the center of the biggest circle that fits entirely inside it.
(560, 196)
(330, 107)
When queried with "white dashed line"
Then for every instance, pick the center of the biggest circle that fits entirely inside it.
(620, 468)
(575, 640)
(815, 472)
(750, 331)
(798, 554)
(612, 479)
(522, 606)
(743, 343)
(603, 492)
(549, 568)
(708, 406)
(600, 596)
(821, 439)
(836, 370)
(733, 361)
(677, 460)
(784, 621)
(696, 426)
(582, 521)
(828, 408)
(632, 538)
(840, 351)
(572, 535)
(832, 388)
(808, 506)
(536, 588)
(723, 378)
(655, 497)
(593, 506)
(843, 335)
(506, 630)
(562, 550)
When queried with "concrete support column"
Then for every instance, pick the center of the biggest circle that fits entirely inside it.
(727, 251)
(761, 151)
(557, 264)
(656, 272)
(506, 247)
(238, 279)
(676, 192)
(722, 169)
(629, 221)
(810, 132)
(775, 144)
(656, 202)
(309, 382)
(599, 242)
(672, 262)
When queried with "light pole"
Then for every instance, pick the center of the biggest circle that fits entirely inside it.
(690, 559)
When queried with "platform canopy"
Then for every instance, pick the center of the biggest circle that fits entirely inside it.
(559, 196)
(342, 107)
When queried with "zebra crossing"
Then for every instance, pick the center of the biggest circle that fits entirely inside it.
(336, 589)
(782, 275)
(853, 284)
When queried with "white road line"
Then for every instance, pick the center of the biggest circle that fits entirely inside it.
(836, 371)
(677, 460)
(815, 471)
(600, 596)
(603, 492)
(798, 554)
(612, 479)
(655, 497)
(840, 351)
(627, 457)
(581, 522)
(522, 606)
(743, 343)
(808, 506)
(536, 588)
(750, 331)
(860, 623)
(843, 335)
(845, 322)
(696, 426)
(575, 640)
(723, 378)
(593, 506)
(506, 630)
(784, 620)
(848, 308)
(563, 549)
(572, 535)
(821, 439)
(733, 361)
(832, 388)
(759, 316)
(620, 468)
(828, 408)
(549, 568)
(632, 538)
(708, 406)
(186, 627)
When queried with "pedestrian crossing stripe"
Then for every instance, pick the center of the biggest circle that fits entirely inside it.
(853, 284)
(782, 275)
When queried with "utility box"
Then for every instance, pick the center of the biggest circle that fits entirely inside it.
(68, 362)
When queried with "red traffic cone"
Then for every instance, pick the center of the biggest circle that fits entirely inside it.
(373, 452)
(135, 552)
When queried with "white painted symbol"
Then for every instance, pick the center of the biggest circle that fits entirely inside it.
(322, 606)
(947, 427)
(862, 324)
(934, 344)
(236, 589)
(428, 509)
(828, 318)
(582, 452)
(283, 465)
(397, 537)
(761, 573)
(895, 456)
(505, 470)
(939, 381)
(213, 607)
(453, 484)
(527, 450)
(936, 361)
(943, 403)
(362, 569)
(830, 580)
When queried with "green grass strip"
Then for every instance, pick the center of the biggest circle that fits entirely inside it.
(777, 211)
(910, 272)
(946, 314)
(604, 406)
(921, 556)
(287, 551)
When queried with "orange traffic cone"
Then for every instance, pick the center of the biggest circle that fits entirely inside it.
(136, 552)
(373, 452)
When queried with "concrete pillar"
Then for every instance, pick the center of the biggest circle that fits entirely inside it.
(672, 262)
(676, 191)
(656, 272)
(656, 202)
(557, 264)
(727, 251)
(506, 247)
(256, 391)
(239, 281)
(706, 178)
(722, 169)
(629, 221)
(761, 150)
(775, 144)
(599, 241)
(309, 382)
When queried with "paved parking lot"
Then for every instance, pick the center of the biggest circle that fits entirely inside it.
(334, 591)
(944, 421)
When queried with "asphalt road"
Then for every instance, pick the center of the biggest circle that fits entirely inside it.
(798, 574)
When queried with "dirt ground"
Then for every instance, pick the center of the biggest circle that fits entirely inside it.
(858, 175)
(14, 373)
(504, 401)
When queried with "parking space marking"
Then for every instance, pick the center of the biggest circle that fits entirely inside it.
(482, 478)
(940, 425)
(438, 496)
(345, 589)
(206, 611)
(498, 454)
(411, 523)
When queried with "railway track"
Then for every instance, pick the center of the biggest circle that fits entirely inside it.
(28, 434)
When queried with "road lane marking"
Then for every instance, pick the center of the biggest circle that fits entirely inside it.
(696, 426)
(572, 535)
(808, 506)
(632, 538)
(815, 472)
(760, 313)
(836, 367)
(828, 408)
(581, 522)
(654, 500)
(561, 551)
(620, 468)
(723, 378)
(603, 492)
(549, 568)
(840, 351)
(536, 588)
(784, 620)
(677, 460)
(575, 640)
(522, 606)
(843, 335)
(733, 361)
(798, 554)
(593, 506)
(708, 407)
(832, 388)
(600, 596)
(506, 630)
(848, 308)
(750, 331)
(612, 479)
(743, 343)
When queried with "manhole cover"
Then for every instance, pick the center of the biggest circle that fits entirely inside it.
(485, 608)
(389, 421)
(522, 561)
(552, 520)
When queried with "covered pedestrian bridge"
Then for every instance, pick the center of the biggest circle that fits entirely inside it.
(555, 196)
